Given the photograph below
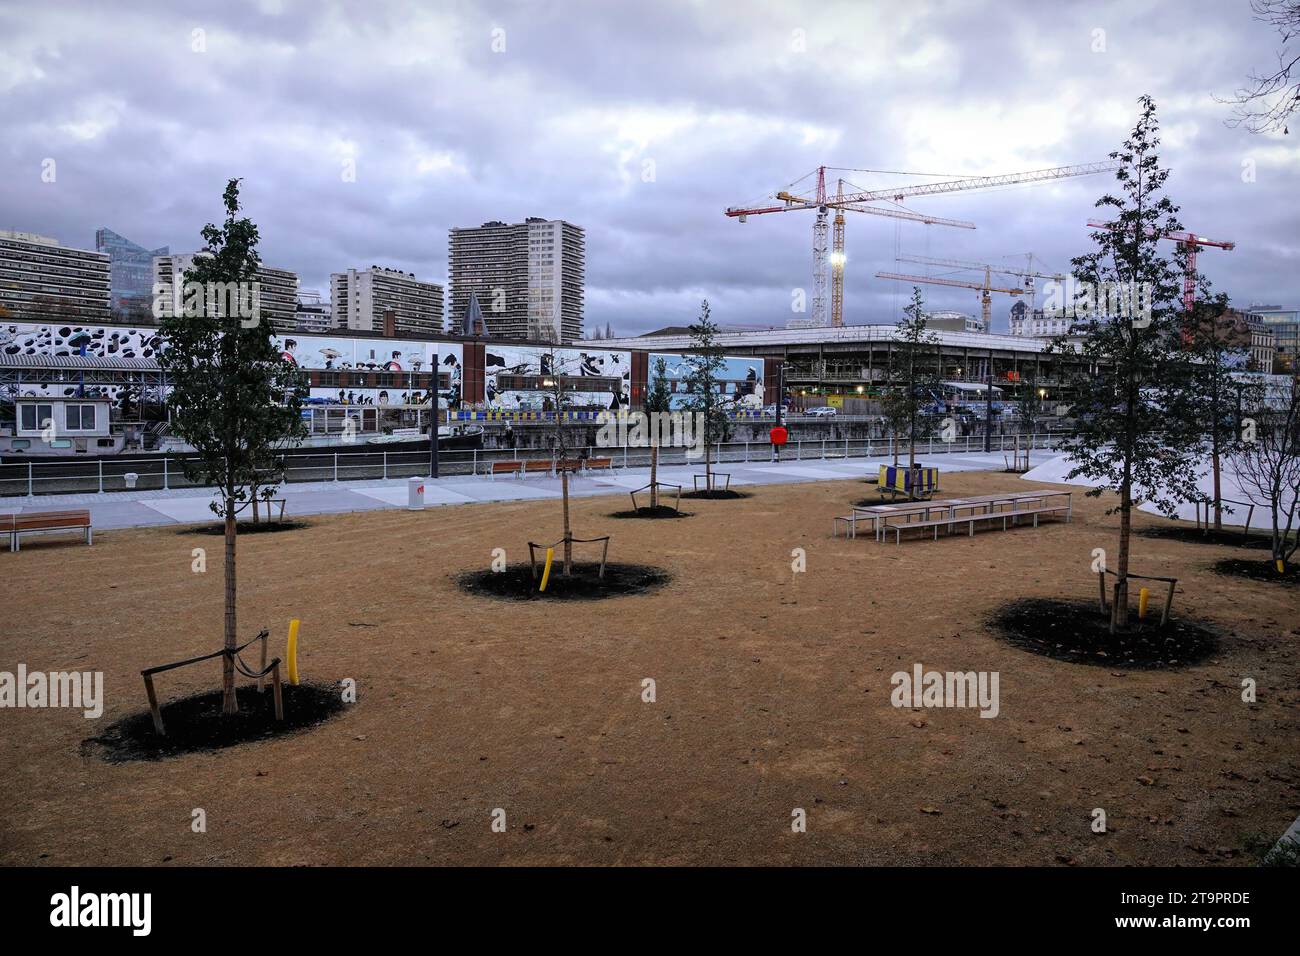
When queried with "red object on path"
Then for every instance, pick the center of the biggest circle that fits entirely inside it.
(778, 435)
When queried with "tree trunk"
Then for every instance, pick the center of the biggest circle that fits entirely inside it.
(1125, 527)
(708, 469)
(1216, 469)
(568, 534)
(229, 703)
(654, 476)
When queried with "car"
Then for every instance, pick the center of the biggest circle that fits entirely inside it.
(821, 411)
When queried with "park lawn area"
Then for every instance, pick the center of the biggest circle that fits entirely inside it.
(773, 693)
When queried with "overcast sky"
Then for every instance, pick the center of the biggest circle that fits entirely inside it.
(641, 121)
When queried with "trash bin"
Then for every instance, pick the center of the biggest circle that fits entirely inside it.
(414, 494)
(131, 478)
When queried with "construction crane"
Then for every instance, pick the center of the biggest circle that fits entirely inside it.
(1189, 241)
(1026, 274)
(859, 201)
(983, 288)
(837, 256)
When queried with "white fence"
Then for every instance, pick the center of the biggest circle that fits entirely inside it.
(164, 472)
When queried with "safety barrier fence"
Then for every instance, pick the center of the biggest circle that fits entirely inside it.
(165, 472)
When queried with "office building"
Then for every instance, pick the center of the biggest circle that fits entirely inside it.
(130, 270)
(528, 278)
(360, 298)
(277, 290)
(43, 281)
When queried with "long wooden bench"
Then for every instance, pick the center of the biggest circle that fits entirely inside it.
(951, 523)
(33, 522)
(537, 464)
(506, 468)
(605, 463)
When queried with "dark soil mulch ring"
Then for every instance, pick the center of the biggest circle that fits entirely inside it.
(246, 527)
(663, 511)
(516, 583)
(195, 724)
(1257, 570)
(1078, 632)
(717, 494)
(1234, 539)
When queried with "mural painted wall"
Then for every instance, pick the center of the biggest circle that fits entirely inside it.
(741, 379)
(340, 353)
(305, 350)
(57, 339)
(514, 376)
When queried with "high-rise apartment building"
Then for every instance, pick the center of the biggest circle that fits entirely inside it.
(42, 281)
(528, 277)
(277, 289)
(360, 298)
(130, 270)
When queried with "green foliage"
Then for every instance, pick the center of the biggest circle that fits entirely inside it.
(913, 385)
(1129, 437)
(701, 383)
(232, 398)
(659, 396)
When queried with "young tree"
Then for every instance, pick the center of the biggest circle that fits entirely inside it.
(560, 400)
(1218, 344)
(1128, 438)
(658, 401)
(703, 394)
(233, 398)
(1267, 465)
(913, 379)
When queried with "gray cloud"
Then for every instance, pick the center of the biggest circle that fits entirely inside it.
(445, 132)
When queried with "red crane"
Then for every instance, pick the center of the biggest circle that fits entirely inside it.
(1192, 243)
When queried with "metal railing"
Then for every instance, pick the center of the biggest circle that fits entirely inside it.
(165, 472)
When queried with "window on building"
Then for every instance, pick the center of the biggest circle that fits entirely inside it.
(80, 418)
(36, 416)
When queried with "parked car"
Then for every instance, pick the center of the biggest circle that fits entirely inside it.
(822, 411)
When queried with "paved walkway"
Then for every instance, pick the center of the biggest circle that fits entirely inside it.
(138, 509)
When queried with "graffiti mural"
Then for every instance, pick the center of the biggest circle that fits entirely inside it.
(517, 377)
(740, 378)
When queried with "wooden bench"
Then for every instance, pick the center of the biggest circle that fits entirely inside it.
(41, 521)
(606, 463)
(537, 464)
(506, 468)
(951, 523)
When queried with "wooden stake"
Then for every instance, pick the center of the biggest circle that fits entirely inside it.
(261, 677)
(275, 686)
(1169, 603)
(153, 705)
(1101, 585)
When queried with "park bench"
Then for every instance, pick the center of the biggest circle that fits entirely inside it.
(43, 521)
(952, 522)
(507, 468)
(537, 464)
(605, 463)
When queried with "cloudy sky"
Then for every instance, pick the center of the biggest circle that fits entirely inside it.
(641, 122)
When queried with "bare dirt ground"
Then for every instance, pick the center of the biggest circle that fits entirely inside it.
(773, 692)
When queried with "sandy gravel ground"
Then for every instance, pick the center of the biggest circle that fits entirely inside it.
(773, 693)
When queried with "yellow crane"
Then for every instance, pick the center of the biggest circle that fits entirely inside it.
(983, 288)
